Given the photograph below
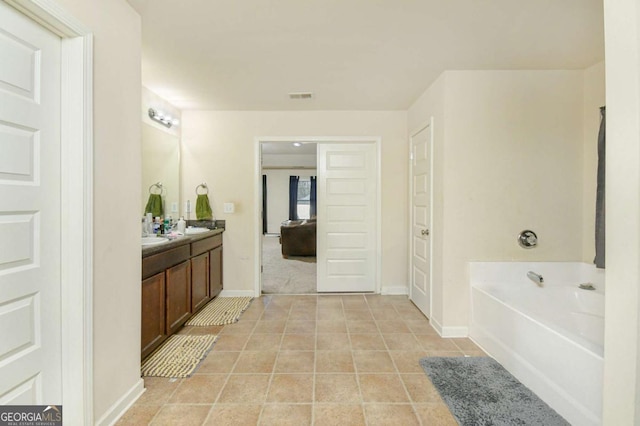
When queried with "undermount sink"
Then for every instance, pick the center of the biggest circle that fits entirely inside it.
(152, 241)
(194, 230)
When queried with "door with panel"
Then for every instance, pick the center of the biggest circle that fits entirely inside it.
(420, 274)
(30, 178)
(199, 281)
(215, 271)
(347, 217)
(178, 296)
(153, 313)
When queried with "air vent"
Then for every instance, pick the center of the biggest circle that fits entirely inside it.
(301, 95)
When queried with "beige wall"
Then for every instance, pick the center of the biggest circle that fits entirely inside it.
(622, 304)
(594, 98)
(219, 147)
(116, 257)
(510, 143)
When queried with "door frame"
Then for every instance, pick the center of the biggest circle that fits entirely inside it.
(257, 288)
(77, 203)
(428, 125)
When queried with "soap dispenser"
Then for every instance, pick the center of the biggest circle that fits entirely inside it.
(182, 225)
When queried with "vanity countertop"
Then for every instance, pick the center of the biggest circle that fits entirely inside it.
(186, 239)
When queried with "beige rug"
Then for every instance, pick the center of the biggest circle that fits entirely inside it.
(178, 356)
(221, 311)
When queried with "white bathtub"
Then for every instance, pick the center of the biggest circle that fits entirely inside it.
(550, 337)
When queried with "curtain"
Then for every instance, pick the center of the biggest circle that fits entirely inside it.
(312, 198)
(264, 204)
(600, 205)
(293, 197)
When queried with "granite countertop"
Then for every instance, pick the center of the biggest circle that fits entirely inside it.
(180, 241)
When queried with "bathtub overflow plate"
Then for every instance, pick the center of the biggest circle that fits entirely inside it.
(527, 239)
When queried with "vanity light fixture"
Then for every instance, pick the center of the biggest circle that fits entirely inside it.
(165, 120)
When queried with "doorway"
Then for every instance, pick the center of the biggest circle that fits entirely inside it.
(420, 233)
(340, 254)
(288, 251)
(29, 172)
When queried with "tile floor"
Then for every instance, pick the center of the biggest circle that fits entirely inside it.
(302, 360)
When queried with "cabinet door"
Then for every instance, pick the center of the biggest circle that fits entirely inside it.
(178, 290)
(215, 280)
(199, 281)
(153, 320)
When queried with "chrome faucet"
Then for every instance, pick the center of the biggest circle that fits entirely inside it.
(536, 278)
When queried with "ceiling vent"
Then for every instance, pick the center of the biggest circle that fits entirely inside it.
(301, 95)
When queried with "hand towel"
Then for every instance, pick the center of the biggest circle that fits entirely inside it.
(154, 205)
(203, 209)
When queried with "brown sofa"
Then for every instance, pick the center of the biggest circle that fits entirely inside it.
(298, 238)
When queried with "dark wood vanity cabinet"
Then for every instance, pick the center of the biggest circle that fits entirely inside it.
(178, 296)
(215, 273)
(199, 281)
(212, 247)
(176, 283)
(153, 313)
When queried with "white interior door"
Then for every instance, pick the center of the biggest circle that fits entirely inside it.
(30, 349)
(420, 291)
(347, 209)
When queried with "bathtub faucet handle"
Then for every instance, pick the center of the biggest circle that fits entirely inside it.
(536, 278)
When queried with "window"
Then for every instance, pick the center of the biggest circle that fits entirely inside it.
(304, 197)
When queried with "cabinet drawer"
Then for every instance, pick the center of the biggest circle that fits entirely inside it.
(206, 244)
(153, 264)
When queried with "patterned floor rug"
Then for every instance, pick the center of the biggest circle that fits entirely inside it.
(178, 357)
(479, 391)
(221, 311)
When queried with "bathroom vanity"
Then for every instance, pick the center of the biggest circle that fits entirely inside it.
(179, 277)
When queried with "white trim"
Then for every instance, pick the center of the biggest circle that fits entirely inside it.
(237, 293)
(435, 324)
(77, 204)
(257, 197)
(449, 331)
(257, 194)
(121, 406)
(395, 291)
(454, 331)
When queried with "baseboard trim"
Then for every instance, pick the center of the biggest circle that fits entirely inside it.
(455, 332)
(436, 325)
(121, 406)
(394, 291)
(236, 293)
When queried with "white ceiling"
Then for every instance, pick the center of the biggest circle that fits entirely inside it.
(352, 54)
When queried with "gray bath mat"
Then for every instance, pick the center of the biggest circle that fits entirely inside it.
(479, 391)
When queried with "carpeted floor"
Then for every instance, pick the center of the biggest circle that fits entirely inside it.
(480, 392)
(295, 275)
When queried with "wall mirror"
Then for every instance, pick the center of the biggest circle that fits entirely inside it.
(161, 163)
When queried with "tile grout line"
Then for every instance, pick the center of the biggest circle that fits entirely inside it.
(266, 395)
(216, 401)
(313, 380)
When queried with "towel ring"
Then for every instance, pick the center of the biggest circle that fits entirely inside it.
(204, 186)
(157, 186)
